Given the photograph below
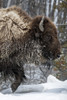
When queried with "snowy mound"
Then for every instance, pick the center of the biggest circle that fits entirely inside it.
(54, 89)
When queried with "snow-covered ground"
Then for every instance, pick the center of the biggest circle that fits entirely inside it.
(54, 89)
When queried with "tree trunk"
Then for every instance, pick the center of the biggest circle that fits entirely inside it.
(1, 3)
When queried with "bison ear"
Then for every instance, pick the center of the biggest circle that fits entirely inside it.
(43, 20)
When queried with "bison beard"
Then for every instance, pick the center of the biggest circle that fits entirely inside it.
(22, 39)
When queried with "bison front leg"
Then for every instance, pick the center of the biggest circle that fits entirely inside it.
(19, 76)
(17, 82)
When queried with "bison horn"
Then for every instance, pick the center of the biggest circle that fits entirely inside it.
(41, 24)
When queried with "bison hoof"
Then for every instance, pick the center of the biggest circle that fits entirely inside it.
(14, 86)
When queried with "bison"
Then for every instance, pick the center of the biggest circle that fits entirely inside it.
(23, 39)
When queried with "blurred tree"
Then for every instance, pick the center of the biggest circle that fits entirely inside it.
(1, 3)
(63, 4)
(61, 65)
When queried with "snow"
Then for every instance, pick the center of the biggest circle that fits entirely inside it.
(53, 89)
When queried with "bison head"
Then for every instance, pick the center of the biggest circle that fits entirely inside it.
(45, 34)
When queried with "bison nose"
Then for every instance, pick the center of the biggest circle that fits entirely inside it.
(58, 55)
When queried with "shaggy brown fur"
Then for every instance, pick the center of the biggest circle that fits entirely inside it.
(21, 41)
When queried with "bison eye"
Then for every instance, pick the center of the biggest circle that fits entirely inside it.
(49, 38)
